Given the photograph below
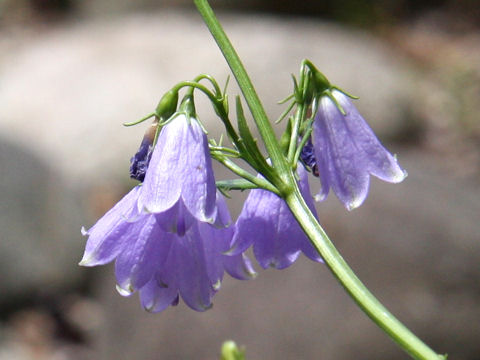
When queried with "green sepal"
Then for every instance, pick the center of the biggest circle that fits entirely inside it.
(286, 111)
(309, 90)
(136, 122)
(320, 81)
(187, 106)
(286, 136)
(167, 105)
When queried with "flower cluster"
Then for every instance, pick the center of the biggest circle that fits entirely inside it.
(168, 235)
(172, 235)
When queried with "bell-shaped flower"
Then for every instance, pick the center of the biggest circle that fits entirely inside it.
(194, 269)
(179, 185)
(347, 152)
(268, 224)
(162, 265)
(194, 266)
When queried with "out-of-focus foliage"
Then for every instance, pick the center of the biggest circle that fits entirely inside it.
(457, 15)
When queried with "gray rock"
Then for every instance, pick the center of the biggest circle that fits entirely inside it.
(75, 85)
(40, 219)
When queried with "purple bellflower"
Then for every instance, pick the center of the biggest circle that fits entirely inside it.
(268, 224)
(347, 152)
(160, 265)
(160, 234)
(179, 186)
(194, 267)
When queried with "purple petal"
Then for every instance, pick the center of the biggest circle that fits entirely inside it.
(138, 261)
(249, 225)
(157, 297)
(239, 267)
(107, 237)
(382, 164)
(193, 281)
(320, 143)
(177, 219)
(347, 166)
(277, 249)
(267, 222)
(223, 214)
(181, 168)
(216, 242)
(213, 243)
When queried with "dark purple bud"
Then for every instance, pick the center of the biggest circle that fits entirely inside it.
(307, 156)
(139, 162)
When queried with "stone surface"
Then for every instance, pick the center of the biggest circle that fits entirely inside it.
(40, 219)
(65, 91)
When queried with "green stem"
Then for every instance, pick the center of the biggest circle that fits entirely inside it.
(299, 115)
(245, 84)
(362, 296)
(289, 190)
(258, 181)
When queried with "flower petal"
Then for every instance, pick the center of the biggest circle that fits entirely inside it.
(107, 237)
(139, 260)
(180, 168)
(346, 164)
(223, 214)
(320, 144)
(213, 243)
(278, 248)
(239, 267)
(249, 225)
(267, 222)
(382, 164)
(177, 219)
(199, 189)
(157, 297)
(193, 281)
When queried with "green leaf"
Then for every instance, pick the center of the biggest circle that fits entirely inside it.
(235, 184)
(253, 152)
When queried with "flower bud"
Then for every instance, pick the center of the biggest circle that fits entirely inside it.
(307, 155)
(139, 162)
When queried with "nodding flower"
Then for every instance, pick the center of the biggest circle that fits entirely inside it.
(347, 152)
(179, 185)
(169, 235)
(267, 223)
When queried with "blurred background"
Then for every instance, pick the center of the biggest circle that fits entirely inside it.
(71, 72)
